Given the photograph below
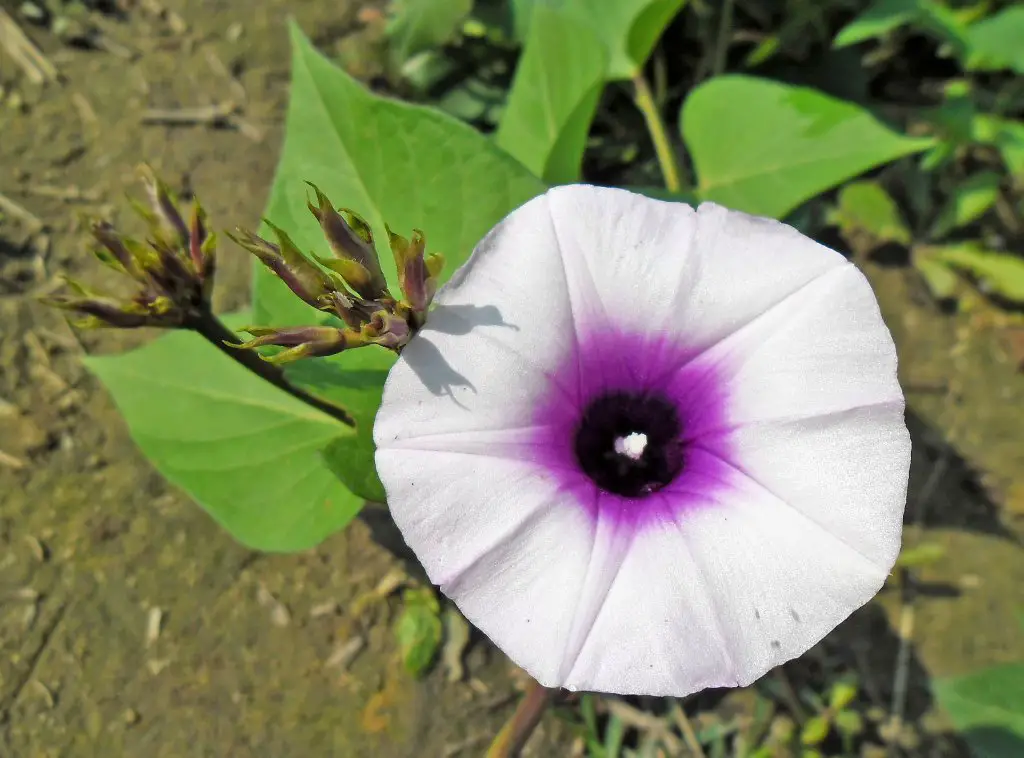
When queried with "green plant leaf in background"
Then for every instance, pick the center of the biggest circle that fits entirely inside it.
(554, 95)
(987, 708)
(1007, 136)
(629, 29)
(409, 166)
(865, 206)
(765, 147)
(420, 25)
(940, 279)
(999, 274)
(968, 202)
(880, 18)
(419, 629)
(247, 452)
(997, 42)
(884, 16)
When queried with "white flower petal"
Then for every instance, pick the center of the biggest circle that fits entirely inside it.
(514, 567)
(786, 515)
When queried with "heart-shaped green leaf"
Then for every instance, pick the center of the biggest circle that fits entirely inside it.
(247, 452)
(406, 165)
(765, 147)
(409, 166)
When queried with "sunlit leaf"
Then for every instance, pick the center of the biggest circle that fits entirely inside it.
(766, 147)
(865, 206)
(987, 708)
(967, 202)
(629, 29)
(554, 95)
(247, 452)
(409, 166)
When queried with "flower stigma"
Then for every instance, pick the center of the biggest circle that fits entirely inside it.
(632, 445)
(629, 444)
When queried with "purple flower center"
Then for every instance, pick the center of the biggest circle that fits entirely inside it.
(630, 443)
(635, 428)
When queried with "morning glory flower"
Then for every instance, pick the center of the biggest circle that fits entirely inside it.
(648, 449)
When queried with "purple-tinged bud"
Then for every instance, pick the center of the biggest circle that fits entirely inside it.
(285, 260)
(201, 243)
(303, 341)
(417, 273)
(103, 311)
(165, 219)
(389, 330)
(115, 251)
(351, 240)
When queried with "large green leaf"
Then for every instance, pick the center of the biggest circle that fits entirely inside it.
(407, 165)
(765, 147)
(247, 452)
(557, 85)
(988, 709)
(629, 29)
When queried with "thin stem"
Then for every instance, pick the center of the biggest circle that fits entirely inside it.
(517, 730)
(214, 331)
(644, 99)
(722, 42)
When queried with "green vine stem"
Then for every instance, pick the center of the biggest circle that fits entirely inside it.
(645, 102)
(517, 730)
(213, 330)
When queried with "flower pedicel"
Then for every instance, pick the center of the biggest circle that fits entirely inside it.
(649, 449)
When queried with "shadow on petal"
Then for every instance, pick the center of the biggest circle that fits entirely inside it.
(462, 319)
(437, 375)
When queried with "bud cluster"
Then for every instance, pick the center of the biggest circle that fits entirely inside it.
(174, 267)
(349, 285)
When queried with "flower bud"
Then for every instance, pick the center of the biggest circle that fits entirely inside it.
(351, 240)
(417, 274)
(303, 341)
(287, 262)
(104, 311)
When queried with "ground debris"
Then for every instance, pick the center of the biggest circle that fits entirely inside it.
(24, 52)
(154, 618)
(345, 653)
(456, 639)
(280, 616)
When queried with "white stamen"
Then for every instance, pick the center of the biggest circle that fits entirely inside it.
(632, 445)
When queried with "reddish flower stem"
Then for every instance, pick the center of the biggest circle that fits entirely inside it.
(517, 730)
